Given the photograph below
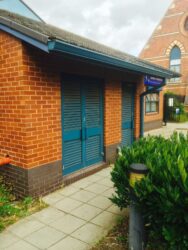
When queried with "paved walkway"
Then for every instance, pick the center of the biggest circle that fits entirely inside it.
(166, 131)
(78, 216)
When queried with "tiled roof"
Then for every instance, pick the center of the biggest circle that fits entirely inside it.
(45, 32)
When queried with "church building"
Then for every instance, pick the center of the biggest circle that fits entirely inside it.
(168, 47)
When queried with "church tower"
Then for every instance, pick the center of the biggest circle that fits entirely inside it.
(168, 47)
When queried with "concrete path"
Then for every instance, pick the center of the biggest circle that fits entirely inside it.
(166, 131)
(78, 216)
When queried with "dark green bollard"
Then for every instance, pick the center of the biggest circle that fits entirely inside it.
(136, 223)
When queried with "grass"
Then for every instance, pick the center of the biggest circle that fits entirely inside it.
(117, 238)
(11, 209)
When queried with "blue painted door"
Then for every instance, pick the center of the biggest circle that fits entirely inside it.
(127, 114)
(93, 124)
(82, 123)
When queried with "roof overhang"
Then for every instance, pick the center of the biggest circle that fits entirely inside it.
(66, 48)
(35, 42)
(45, 43)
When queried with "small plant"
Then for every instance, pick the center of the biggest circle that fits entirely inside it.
(27, 202)
(162, 195)
(11, 209)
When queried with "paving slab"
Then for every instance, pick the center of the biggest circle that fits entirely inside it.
(68, 224)
(21, 245)
(67, 204)
(105, 219)
(7, 239)
(67, 191)
(53, 198)
(106, 182)
(94, 178)
(96, 188)
(115, 210)
(108, 193)
(25, 227)
(83, 196)
(70, 243)
(90, 233)
(105, 172)
(86, 212)
(48, 215)
(101, 202)
(45, 237)
(81, 184)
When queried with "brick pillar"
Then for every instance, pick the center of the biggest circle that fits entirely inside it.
(139, 90)
(112, 118)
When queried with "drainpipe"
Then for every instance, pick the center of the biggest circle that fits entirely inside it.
(5, 161)
(154, 90)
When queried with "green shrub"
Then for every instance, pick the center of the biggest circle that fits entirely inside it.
(162, 195)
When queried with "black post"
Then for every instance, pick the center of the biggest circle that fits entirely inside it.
(137, 237)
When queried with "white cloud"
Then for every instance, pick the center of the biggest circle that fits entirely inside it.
(121, 24)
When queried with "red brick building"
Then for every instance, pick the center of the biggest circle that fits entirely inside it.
(66, 103)
(168, 47)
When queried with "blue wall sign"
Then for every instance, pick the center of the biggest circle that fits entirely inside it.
(153, 81)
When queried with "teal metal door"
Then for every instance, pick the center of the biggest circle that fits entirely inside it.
(82, 120)
(93, 124)
(127, 114)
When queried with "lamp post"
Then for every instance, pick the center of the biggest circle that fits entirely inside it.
(136, 222)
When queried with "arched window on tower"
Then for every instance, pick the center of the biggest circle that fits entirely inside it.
(175, 62)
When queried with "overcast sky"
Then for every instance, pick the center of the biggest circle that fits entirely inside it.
(121, 24)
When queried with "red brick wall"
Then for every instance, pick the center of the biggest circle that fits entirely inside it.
(12, 116)
(43, 109)
(30, 115)
(30, 126)
(112, 113)
(168, 33)
(139, 90)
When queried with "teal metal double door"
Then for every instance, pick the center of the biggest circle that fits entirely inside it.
(127, 114)
(82, 120)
